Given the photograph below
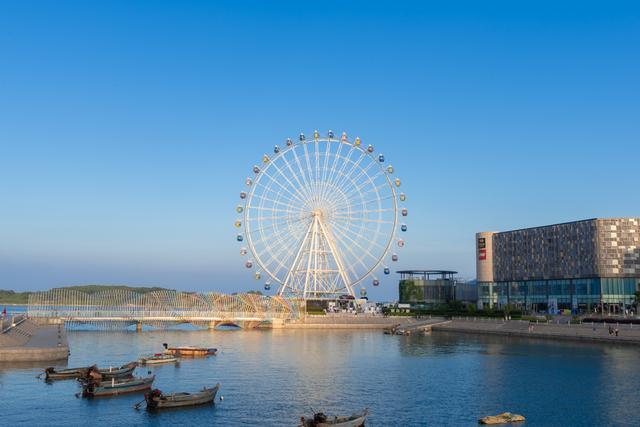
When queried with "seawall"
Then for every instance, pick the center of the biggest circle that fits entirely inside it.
(585, 332)
(23, 340)
(347, 322)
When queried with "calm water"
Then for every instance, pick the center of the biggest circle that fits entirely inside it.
(272, 377)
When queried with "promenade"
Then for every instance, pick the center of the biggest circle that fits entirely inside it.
(347, 321)
(597, 332)
(22, 340)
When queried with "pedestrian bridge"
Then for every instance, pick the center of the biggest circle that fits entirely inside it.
(123, 308)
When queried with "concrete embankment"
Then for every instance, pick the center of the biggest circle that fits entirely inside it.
(22, 340)
(420, 326)
(347, 322)
(627, 334)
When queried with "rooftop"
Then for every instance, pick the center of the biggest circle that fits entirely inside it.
(426, 274)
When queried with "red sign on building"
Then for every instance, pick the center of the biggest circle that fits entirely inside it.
(482, 251)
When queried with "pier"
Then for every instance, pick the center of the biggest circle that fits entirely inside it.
(24, 340)
(418, 326)
(345, 321)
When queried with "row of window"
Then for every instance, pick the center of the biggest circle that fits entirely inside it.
(584, 290)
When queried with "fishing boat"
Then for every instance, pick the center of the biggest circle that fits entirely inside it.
(321, 420)
(96, 374)
(52, 373)
(115, 387)
(156, 399)
(118, 372)
(157, 358)
(189, 351)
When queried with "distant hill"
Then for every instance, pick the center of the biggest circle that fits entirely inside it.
(12, 297)
(93, 289)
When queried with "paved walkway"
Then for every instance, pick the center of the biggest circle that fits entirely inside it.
(347, 321)
(419, 326)
(627, 334)
(29, 342)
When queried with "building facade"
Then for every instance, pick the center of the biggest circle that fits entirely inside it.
(432, 288)
(584, 265)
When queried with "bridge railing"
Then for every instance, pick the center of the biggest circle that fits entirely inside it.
(166, 306)
(142, 315)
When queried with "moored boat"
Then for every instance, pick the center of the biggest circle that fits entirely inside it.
(52, 373)
(157, 358)
(190, 351)
(115, 387)
(96, 374)
(156, 399)
(321, 420)
(118, 372)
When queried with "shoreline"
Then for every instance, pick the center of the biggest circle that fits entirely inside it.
(346, 322)
(597, 333)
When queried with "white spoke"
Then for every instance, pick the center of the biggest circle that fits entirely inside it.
(319, 217)
(275, 181)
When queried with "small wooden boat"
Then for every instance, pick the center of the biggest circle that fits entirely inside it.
(189, 351)
(121, 372)
(115, 387)
(52, 373)
(156, 399)
(158, 358)
(321, 420)
(96, 374)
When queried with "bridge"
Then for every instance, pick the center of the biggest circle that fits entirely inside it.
(122, 308)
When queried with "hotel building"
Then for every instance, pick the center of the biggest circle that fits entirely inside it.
(586, 265)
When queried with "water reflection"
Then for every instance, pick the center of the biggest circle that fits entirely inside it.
(273, 377)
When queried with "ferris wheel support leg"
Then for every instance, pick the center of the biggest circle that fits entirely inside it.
(288, 279)
(314, 241)
(338, 259)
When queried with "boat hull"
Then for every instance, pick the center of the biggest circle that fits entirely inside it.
(182, 400)
(191, 351)
(121, 372)
(114, 388)
(65, 374)
(356, 420)
(157, 361)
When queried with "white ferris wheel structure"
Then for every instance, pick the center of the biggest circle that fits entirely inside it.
(320, 216)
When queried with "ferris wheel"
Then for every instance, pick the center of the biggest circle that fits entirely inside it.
(320, 216)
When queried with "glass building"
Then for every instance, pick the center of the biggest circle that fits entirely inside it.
(431, 288)
(590, 265)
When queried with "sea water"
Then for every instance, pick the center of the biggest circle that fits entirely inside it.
(272, 377)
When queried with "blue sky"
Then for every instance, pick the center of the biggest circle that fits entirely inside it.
(127, 128)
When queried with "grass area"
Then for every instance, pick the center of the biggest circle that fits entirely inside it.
(453, 310)
(315, 310)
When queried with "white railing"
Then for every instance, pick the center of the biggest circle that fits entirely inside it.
(122, 305)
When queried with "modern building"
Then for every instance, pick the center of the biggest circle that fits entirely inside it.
(431, 288)
(586, 265)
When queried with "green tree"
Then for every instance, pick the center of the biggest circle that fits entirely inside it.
(636, 300)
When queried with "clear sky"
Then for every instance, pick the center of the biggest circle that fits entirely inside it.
(127, 128)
